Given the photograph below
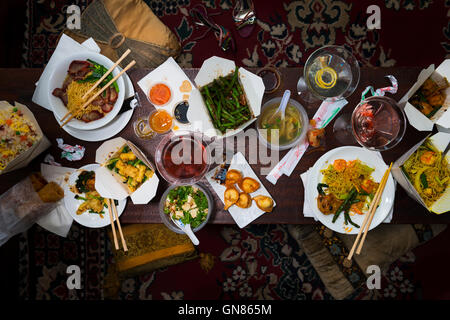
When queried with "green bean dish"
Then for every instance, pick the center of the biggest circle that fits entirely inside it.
(226, 102)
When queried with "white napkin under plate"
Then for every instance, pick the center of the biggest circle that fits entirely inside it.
(59, 220)
(66, 46)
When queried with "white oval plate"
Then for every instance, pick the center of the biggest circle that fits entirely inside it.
(371, 159)
(90, 220)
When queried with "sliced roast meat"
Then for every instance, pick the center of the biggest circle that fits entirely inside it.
(91, 116)
(62, 94)
(66, 82)
(98, 101)
(79, 69)
(113, 95)
(77, 65)
(85, 118)
(107, 94)
(107, 107)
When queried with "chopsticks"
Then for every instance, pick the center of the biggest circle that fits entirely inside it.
(132, 63)
(112, 208)
(369, 216)
(107, 73)
(116, 243)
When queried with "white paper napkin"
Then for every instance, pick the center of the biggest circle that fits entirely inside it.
(59, 220)
(66, 46)
(307, 211)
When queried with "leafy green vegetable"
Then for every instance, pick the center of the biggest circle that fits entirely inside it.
(97, 71)
(320, 187)
(112, 163)
(423, 180)
(179, 196)
(83, 178)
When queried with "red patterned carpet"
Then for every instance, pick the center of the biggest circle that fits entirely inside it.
(413, 32)
(261, 261)
(258, 262)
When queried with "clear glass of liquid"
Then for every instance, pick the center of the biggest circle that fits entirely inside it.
(330, 73)
(378, 123)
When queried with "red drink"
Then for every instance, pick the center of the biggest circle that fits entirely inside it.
(378, 123)
(182, 159)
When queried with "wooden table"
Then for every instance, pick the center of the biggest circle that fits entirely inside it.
(18, 85)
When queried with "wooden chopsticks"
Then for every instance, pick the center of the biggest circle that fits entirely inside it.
(112, 208)
(106, 74)
(369, 216)
(132, 63)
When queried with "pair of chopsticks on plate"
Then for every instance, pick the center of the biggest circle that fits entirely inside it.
(69, 116)
(369, 216)
(112, 208)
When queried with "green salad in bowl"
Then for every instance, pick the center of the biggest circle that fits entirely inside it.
(189, 203)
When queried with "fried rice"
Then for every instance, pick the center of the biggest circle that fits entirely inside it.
(17, 135)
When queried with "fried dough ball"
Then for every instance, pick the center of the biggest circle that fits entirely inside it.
(265, 203)
(231, 196)
(249, 185)
(233, 176)
(51, 192)
(38, 181)
(244, 201)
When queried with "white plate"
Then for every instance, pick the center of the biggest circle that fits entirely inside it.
(371, 159)
(109, 130)
(86, 219)
(242, 217)
(56, 80)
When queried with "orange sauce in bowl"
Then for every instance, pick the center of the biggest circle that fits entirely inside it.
(160, 121)
(160, 94)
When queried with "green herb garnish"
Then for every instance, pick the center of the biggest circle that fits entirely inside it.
(97, 71)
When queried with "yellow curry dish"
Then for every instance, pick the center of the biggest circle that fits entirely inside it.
(132, 171)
